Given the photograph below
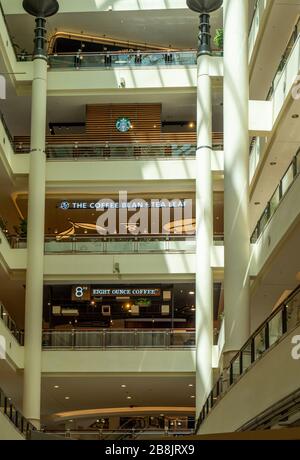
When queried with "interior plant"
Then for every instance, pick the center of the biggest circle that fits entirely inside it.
(219, 39)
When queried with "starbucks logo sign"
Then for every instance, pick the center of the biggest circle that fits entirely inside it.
(123, 124)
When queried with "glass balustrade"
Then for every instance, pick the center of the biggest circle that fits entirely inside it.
(282, 321)
(98, 245)
(284, 59)
(109, 339)
(134, 151)
(285, 184)
(116, 245)
(115, 60)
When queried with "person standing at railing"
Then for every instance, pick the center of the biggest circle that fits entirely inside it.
(138, 57)
(169, 57)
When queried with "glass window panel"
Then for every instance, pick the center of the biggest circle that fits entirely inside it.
(274, 202)
(275, 328)
(288, 179)
(246, 357)
(293, 312)
(260, 344)
(235, 369)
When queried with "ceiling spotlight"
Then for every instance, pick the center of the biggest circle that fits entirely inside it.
(129, 397)
(192, 293)
(193, 397)
(56, 387)
(123, 386)
(191, 385)
(67, 398)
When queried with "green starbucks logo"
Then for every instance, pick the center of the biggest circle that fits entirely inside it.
(123, 124)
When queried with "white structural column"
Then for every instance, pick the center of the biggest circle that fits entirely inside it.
(236, 173)
(204, 212)
(35, 247)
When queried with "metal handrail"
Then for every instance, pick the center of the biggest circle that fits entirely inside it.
(6, 129)
(106, 339)
(98, 434)
(284, 59)
(276, 198)
(15, 416)
(251, 352)
(11, 325)
(114, 59)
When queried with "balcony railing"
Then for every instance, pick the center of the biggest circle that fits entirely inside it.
(107, 339)
(82, 151)
(115, 244)
(120, 435)
(81, 61)
(281, 322)
(15, 417)
(11, 325)
(284, 59)
(285, 184)
(120, 245)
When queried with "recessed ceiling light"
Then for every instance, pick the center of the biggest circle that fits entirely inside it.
(71, 421)
(192, 293)
(97, 421)
(123, 386)
(67, 397)
(191, 385)
(56, 386)
(129, 397)
(193, 397)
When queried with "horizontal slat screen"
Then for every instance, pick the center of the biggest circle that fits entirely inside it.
(101, 128)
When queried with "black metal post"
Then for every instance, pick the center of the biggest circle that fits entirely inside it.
(204, 35)
(40, 39)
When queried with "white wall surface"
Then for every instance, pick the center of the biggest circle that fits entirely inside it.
(166, 361)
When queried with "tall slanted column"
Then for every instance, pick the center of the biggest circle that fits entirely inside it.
(36, 215)
(236, 151)
(204, 208)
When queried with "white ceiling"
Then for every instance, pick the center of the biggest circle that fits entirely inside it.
(178, 28)
(101, 391)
